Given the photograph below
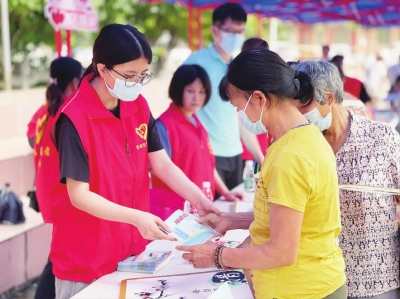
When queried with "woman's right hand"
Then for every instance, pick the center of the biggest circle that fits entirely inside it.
(148, 226)
(219, 222)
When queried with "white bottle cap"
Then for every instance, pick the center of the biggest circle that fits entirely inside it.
(249, 163)
(206, 185)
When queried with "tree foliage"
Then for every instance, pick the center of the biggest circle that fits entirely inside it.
(164, 25)
(28, 24)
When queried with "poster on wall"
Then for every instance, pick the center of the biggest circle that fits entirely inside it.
(228, 284)
(71, 15)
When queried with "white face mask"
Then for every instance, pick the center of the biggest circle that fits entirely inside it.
(231, 42)
(120, 91)
(316, 118)
(255, 128)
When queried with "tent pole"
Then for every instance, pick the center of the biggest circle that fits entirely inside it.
(58, 41)
(5, 40)
(199, 30)
(190, 29)
(69, 47)
(259, 25)
(273, 33)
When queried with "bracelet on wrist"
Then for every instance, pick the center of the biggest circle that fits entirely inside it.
(218, 256)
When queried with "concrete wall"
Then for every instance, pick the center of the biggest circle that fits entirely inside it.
(24, 249)
(16, 162)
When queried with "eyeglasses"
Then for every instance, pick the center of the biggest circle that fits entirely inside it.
(241, 31)
(133, 80)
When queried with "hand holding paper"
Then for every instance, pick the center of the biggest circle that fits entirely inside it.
(200, 256)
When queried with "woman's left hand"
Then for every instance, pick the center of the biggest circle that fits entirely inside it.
(233, 196)
(200, 256)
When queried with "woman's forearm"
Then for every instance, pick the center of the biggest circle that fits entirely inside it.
(240, 220)
(83, 199)
(263, 257)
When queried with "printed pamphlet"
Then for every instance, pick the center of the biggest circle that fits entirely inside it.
(146, 262)
(188, 231)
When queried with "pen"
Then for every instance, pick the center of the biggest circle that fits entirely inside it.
(163, 230)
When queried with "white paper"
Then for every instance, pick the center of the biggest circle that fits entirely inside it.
(223, 292)
(193, 286)
(372, 189)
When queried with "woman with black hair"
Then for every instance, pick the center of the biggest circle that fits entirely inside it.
(292, 249)
(186, 140)
(106, 137)
(65, 73)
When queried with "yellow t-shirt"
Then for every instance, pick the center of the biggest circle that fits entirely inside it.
(299, 172)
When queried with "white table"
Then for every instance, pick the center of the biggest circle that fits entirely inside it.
(108, 286)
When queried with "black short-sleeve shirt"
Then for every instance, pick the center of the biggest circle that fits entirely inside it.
(72, 156)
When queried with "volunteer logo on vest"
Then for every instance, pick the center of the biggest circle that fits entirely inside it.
(142, 131)
(40, 126)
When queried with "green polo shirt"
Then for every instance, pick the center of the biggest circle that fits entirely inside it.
(218, 117)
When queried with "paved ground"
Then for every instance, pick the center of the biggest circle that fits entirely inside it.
(24, 292)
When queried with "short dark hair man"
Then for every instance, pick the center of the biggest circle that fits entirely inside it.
(220, 118)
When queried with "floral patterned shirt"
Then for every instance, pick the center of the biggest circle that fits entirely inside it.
(369, 156)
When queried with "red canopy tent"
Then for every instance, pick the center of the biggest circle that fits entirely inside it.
(369, 13)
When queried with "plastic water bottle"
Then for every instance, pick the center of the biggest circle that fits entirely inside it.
(188, 208)
(248, 176)
(207, 190)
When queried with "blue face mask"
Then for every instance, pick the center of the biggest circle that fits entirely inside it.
(231, 42)
(255, 128)
(316, 118)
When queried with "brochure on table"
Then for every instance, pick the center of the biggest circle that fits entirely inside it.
(227, 284)
(148, 261)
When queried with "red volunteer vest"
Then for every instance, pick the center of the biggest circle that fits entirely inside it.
(352, 86)
(49, 190)
(191, 152)
(85, 247)
(264, 140)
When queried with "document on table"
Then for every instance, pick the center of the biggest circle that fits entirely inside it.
(188, 286)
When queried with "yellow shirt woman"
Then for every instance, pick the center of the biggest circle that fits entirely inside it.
(299, 172)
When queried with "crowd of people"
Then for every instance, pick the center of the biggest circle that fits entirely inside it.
(108, 173)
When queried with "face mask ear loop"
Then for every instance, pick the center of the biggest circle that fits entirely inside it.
(248, 101)
(262, 110)
(111, 74)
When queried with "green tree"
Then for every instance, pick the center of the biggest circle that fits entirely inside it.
(164, 25)
(28, 28)
(28, 24)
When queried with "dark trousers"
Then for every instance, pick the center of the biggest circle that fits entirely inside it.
(47, 284)
(230, 170)
(340, 293)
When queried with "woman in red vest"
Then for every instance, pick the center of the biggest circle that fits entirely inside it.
(106, 137)
(186, 141)
(65, 73)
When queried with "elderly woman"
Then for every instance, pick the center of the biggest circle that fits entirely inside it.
(291, 250)
(367, 153)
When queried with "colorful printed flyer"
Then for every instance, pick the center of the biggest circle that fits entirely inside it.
(146, 262)
(187, 230)
(227, 285)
